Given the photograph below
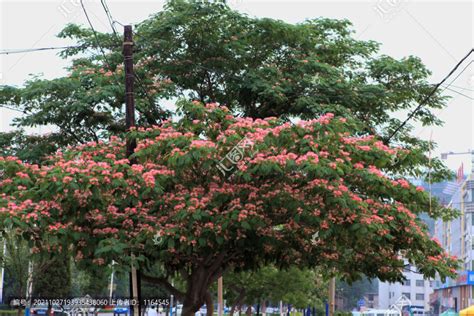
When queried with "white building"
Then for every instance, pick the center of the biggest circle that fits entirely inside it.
(415, 288)
(457, 238)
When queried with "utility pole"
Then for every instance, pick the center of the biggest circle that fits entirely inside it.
(220, 301)
(29, 288)
(2, 274)
(332, 296)
(131, 144)
(111, 292)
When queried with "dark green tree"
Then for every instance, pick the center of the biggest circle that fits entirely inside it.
(205, 51)
(256, 66)
(269, 285)
(352, 292)
(52, 277)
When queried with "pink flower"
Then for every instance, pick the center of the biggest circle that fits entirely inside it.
(22, 175)
(122, 162)
(198, 143)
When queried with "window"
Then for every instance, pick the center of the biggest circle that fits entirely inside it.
(469, 195)
(407, 283)
(420, 282)
(420, 297)
(407, 295)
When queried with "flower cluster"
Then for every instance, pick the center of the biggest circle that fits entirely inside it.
(315, 176)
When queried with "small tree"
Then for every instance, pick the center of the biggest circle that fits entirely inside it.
(15, 263)
(213, 192)
(52, 276)
(299, 287)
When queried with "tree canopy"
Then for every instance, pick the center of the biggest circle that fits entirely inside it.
(213, 191)
(328, 191)
(257, 67)
(269, 285)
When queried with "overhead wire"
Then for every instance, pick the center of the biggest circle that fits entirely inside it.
(460, 93)
(95, 35)
(29, 50)
(455, 78)
(109, 15)
(10, 108)
(112, 22)
(427, 98)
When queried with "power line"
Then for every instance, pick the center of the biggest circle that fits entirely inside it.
(11, 108)
(420, 105)
(109, 15)
(95, 36)
(112, 22)
(29, 50)
(462, 88)
(455, 78)
(460, 93)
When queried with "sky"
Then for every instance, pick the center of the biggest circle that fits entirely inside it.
(439, 32)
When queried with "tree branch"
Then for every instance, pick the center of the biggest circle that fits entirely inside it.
(163, 282)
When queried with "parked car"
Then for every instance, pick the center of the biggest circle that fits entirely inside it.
(43, 309)
(118, 310)
(271, 310)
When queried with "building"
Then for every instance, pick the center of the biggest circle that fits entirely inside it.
(457, 238)
(371, 300)
(415, 288)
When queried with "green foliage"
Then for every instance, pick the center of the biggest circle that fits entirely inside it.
(52, 276)
(355, 291)
(315, 194)
(256, 66)
(205, 51)
(15, 263)
(293, 286)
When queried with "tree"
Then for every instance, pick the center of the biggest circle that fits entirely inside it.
(257, 67)
(15, 263)
(299, 287)
(314, 194)
(352, 293)
(52, 276)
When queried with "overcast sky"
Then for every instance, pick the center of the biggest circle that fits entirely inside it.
(439, 32)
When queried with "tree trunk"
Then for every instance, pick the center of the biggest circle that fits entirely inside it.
(238, 302)
(249, 310)
(209, 305)
(197, 293)
(264, 308)
(48, 311)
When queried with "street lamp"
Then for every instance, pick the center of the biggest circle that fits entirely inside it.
(444, 156)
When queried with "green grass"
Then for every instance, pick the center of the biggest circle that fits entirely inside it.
(8, 312)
